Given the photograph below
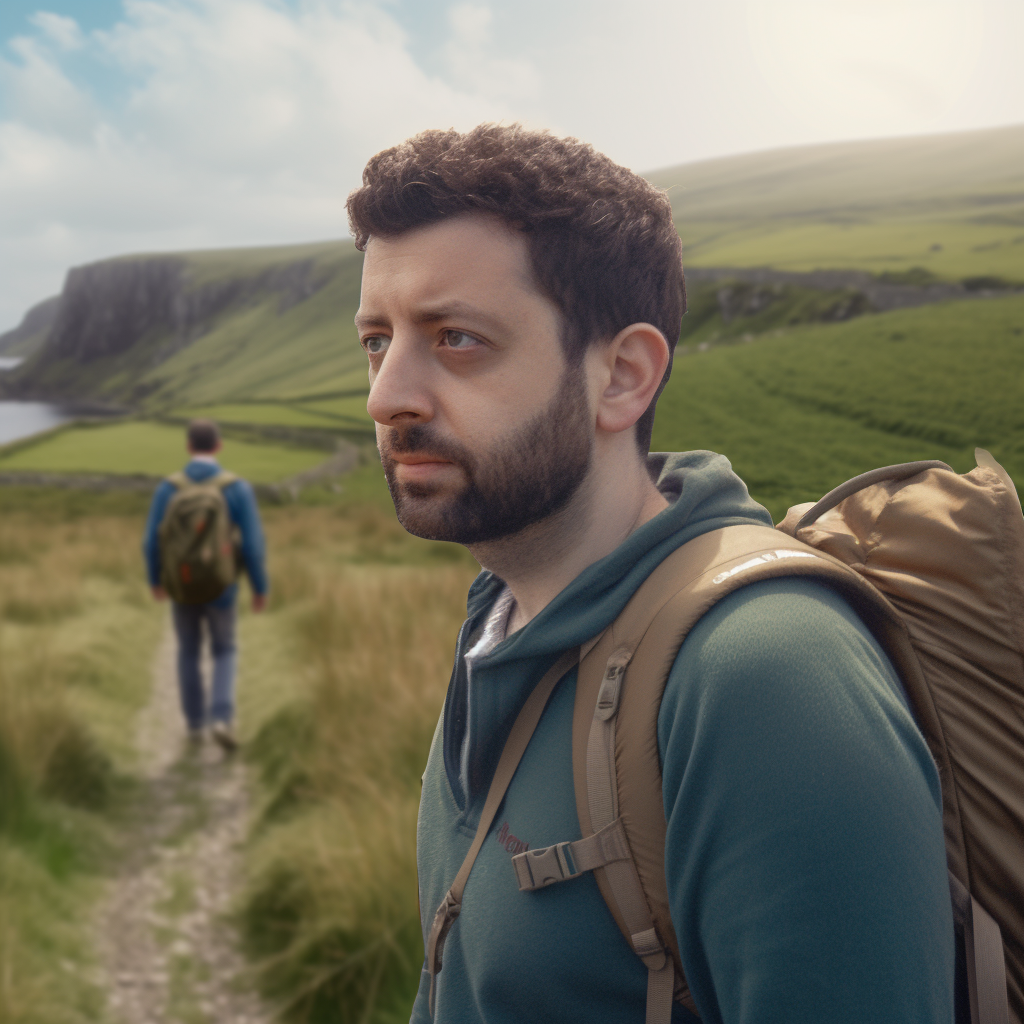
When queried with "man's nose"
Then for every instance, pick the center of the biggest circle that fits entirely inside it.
(399, 392)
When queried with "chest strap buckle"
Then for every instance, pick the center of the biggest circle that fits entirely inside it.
(536, 869)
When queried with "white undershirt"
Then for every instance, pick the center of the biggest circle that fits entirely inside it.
(495, 630)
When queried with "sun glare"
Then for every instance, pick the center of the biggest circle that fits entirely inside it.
(868, 66)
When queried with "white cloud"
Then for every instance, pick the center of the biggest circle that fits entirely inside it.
(37, 92)
(59, 29)
(240, 122)
(472, 60)
(875, 65)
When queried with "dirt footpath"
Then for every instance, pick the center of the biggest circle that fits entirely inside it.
(169, 955)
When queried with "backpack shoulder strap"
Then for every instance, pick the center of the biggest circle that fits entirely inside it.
(223, 479)
(515, 746)
(179, 480)
(616, 763)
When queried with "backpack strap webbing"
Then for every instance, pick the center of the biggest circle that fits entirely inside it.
(221, 480)
(983, 946)
(512, 753)
(616, 763)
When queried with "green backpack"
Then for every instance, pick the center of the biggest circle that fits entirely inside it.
(198, 550)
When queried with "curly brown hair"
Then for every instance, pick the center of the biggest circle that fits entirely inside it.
(601, 239)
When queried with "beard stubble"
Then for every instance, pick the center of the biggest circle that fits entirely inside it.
(528, 476)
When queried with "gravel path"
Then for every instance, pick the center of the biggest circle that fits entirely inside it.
(169, 954)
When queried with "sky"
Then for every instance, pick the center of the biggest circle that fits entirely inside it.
(156, 125)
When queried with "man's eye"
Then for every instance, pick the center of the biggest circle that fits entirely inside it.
(460, 339)
(376, 344)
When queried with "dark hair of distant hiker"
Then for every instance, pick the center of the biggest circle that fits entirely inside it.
(601, 239)
(203, 437)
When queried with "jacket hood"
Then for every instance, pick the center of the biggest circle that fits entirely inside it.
(201, 469)
(704, 494)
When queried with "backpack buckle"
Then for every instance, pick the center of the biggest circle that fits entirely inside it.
(538, 868)
(611, 684)
(443, 921)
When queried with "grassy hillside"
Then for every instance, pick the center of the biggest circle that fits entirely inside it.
(260, 351)
(798, 411)
(280, 331)
(30, 334)
(158, 332)
(953, 204)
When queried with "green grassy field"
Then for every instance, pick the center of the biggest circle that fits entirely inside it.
(797, 410)
(951, 247)
(911, 174)
(149, 448)
(343, 413)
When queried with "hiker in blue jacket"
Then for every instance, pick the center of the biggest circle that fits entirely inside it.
(203, 443)
(521, 298)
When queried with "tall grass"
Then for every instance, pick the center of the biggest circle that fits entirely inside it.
(76, 637)
(343, 683)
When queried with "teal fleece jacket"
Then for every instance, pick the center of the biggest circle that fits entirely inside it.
(805, 859)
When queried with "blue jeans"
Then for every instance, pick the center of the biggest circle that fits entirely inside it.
(220, 624)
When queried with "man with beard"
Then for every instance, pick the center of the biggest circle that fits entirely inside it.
(521, 298)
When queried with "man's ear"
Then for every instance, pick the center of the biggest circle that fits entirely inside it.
(631, 367)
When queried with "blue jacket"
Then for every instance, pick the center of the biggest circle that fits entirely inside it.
(804, 857)
(242, 508)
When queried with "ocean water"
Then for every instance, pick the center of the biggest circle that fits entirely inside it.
(23, 419)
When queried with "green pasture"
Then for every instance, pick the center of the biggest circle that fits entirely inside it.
(798, 411)
(149, 448)
(270, 347)
(343, 413)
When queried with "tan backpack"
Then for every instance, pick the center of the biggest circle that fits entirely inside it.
(933, 563)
